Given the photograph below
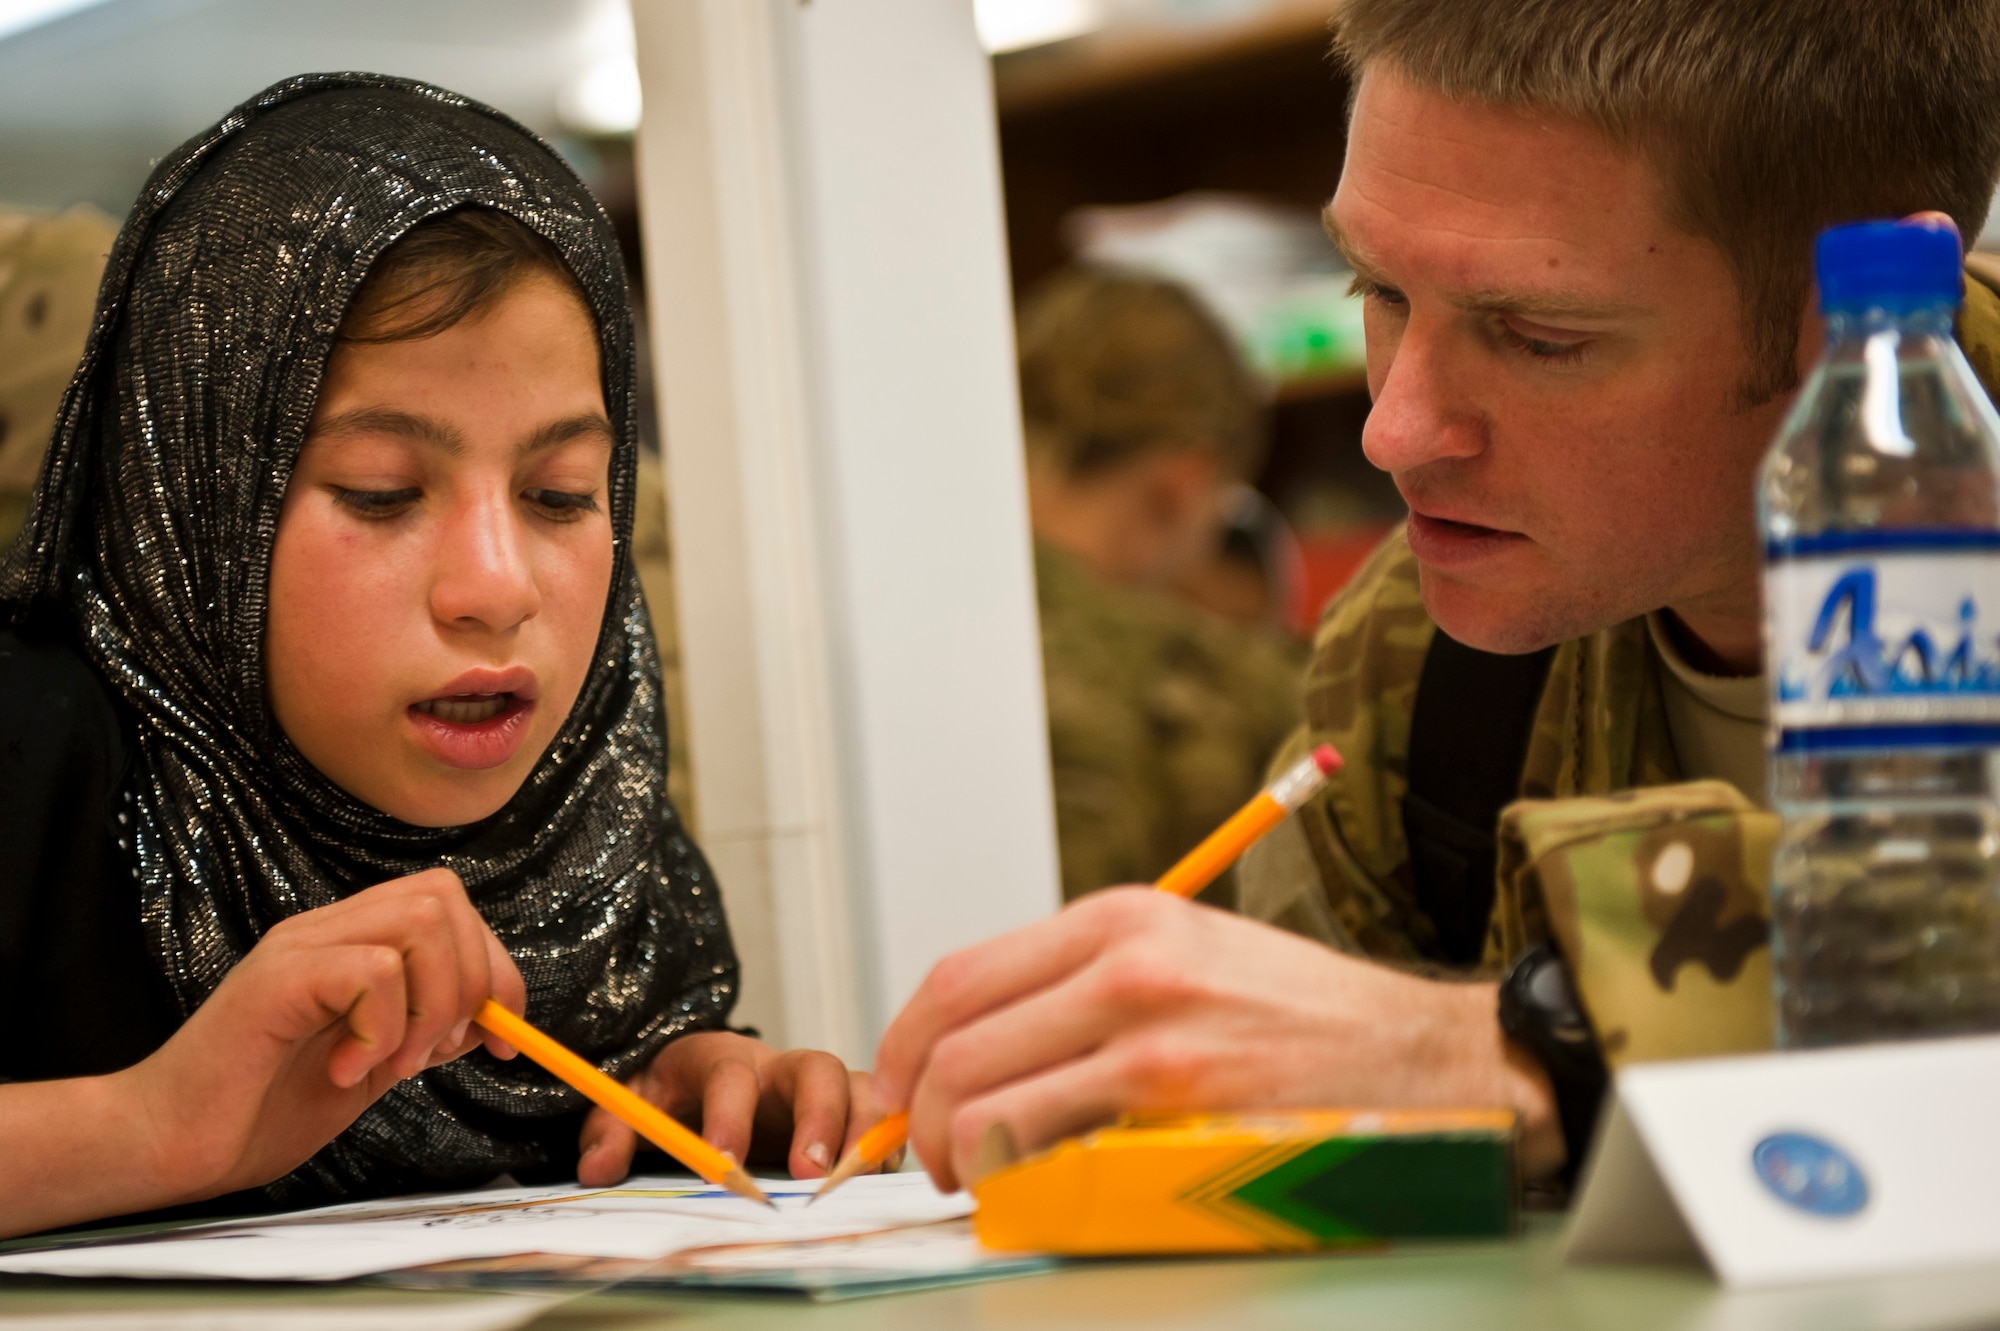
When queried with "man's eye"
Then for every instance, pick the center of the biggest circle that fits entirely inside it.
(377, 503)
(562, 505)
(1555, 353)
(1375, 291)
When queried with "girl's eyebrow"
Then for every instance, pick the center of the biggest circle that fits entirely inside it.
(561, 431)
(436, 434)
(425, 430)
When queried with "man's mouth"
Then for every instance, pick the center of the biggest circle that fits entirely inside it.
(1449, 542)
(467, 709)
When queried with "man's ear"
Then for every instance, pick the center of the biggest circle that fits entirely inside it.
(1932, 217)
(1182, 482)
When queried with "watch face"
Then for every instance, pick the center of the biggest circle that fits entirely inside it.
(1548, 987)
(1547, 993)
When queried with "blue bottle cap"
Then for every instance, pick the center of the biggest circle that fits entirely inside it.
(1893, 266)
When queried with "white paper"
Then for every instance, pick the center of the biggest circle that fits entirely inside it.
(475, 1312)
(1910, 1127)
(642, 1218)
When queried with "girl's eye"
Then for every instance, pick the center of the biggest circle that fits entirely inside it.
(1554, 353)
(1376, 292)
(561, 505)
(377, 503)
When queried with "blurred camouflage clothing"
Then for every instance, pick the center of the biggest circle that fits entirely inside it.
(653, 556)
(1663, 971)
(49, 269)
(1161, 718)
(1115, 365)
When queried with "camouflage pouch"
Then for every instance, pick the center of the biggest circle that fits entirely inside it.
(1658, 897)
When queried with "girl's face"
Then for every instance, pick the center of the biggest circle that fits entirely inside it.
(444, 556)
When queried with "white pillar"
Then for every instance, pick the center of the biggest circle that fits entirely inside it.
(827, 278)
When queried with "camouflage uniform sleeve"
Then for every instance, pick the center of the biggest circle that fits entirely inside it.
(1359, 689)
(1657, 897)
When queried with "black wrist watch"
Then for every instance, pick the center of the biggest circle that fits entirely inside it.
(1539, 1011)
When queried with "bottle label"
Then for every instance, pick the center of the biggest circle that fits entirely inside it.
(1883, 639)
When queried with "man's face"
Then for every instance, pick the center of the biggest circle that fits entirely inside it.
(1556, 371)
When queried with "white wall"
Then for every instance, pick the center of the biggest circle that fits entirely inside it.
(826, 265)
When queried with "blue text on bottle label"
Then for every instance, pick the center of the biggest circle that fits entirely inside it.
(1885, 638)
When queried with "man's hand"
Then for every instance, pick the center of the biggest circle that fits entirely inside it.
(1134, 1000)
(328, 1011)
(803, 1107)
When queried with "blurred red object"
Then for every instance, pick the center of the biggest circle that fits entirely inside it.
(1327, 560)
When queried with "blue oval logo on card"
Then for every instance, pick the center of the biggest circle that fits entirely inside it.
(1810, 1173)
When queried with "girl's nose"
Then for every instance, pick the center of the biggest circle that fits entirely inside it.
(483, 577)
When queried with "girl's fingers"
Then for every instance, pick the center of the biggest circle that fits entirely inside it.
(729, 1095)
(815, 1085)
(607, 1147)
(421, 926)
(362, 987)
(506, 989)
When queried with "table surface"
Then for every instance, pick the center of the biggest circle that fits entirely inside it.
(1521, 1283)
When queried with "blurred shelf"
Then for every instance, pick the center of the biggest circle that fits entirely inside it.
(1045, 77)
(1311, 387)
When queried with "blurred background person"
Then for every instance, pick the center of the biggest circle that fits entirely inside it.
(49, 267)
(1141, 423)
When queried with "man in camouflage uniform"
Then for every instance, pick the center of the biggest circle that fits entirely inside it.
(1584, 231)
(1161, 715)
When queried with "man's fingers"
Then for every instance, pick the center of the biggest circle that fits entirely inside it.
(1024, 1118)
(729, 1096)
(816, 1086)
(607, 1146)
(979, 979)
(1044, 1030)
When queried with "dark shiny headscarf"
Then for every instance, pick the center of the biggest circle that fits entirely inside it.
(151, 534)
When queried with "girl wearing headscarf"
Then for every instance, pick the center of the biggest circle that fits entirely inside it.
(329, 703)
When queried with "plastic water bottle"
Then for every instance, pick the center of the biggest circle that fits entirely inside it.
(1880, 503)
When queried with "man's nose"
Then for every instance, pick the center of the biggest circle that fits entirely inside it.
(1418, 416)
(483, 576)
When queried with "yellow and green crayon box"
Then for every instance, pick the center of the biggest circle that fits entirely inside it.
(1295, 1181)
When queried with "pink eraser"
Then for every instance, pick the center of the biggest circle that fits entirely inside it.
(1327, 759)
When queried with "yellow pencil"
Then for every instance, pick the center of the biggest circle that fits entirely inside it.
(636, 1113)
(1196, 870)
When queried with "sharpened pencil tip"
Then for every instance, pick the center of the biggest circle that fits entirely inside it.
(746, 1187)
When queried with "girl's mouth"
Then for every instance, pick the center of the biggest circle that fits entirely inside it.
(467, 709)
(472, 731)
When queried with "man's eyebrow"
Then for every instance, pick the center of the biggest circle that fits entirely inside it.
(561, 431)
(423, 430)
(1521, 304)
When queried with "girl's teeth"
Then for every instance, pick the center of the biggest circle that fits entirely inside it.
(465, 711)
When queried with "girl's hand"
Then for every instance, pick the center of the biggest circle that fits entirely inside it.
(802, 1106)
(326, 1013)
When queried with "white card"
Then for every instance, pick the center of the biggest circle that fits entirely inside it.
(1781, 1168)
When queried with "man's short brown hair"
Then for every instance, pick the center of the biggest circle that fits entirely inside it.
(1116, 364)
(1768, 119)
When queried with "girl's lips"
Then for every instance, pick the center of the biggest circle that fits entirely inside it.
(472, 731)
